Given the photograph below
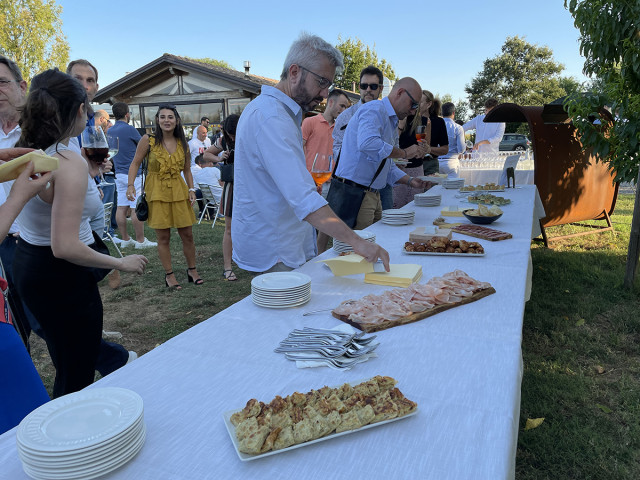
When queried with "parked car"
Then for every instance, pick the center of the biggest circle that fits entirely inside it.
(514, 142)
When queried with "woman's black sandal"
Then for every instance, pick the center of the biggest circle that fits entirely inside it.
(171, 287)
(191, 279)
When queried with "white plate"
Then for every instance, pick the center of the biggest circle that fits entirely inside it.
(444, 254)
(245, 457)
(280, 280)
(91, 471)
(79, 420)
(301, 302)
(482, 191)
(398, 211)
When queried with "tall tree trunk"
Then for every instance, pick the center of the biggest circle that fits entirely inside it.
(634, 242)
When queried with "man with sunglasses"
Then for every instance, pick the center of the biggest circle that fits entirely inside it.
(365, 159)
(275, 202)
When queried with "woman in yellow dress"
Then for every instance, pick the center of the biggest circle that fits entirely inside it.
(170, 199)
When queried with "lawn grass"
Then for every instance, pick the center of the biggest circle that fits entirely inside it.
(581, 355)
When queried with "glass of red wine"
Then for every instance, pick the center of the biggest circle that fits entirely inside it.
(96, 147)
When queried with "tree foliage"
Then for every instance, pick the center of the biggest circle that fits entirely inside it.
(213, 61)
(610, 43)
(31, 35)
(523, 73)
(357, 56)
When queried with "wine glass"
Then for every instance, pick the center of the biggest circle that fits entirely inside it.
(96, 147)
(114, 144)
(421, 132)
(322, 168)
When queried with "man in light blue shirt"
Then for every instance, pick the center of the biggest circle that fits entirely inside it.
(449, 162)
(275, 202)
(369, 143)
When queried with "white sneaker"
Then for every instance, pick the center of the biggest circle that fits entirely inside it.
(146, 244)
(127, 243)
(132, 356)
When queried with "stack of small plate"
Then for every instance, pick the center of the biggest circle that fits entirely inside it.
(398, 216)
(341, 247)
(281, 289)
(82, 435)
(427, 200)
(453, 183)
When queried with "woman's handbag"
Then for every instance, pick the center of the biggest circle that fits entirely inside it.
(99, 246)
(226, 172)
(142, 207)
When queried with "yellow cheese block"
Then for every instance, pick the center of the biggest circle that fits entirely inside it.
(41, 163)
(400, 275)
(424, 234)
(452, 211)
(349, 265)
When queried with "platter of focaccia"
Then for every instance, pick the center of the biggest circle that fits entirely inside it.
(301, 419)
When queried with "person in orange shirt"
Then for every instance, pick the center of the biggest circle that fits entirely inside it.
(317, 130)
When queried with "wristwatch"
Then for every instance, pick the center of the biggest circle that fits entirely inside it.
(192, 190)
(410, 179)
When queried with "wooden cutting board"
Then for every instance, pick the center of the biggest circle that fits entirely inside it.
(479, 231)
(376, 327)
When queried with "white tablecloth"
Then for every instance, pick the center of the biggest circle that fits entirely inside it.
(463, 367)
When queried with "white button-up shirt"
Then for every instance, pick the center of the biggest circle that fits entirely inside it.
(369, 139)
(492, 132)
(272, 190)
(8, 140)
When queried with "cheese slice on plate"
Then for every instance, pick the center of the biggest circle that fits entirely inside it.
(452, 211)
(424, 234)
(400, 275)
(348, 265)
(41, 163)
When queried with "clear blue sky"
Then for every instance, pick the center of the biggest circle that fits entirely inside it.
(441, 43)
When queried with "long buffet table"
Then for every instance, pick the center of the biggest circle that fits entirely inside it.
(463, 367)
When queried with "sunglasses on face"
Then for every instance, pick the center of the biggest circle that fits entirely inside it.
(414, 104)
(372, 86)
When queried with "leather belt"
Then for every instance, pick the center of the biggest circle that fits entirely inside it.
(354, 184)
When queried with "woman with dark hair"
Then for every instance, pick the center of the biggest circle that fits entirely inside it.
(170, 199)
(57, 274)
(222, 151)
(427, 115)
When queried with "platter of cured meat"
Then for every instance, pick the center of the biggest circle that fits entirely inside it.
(416, 302)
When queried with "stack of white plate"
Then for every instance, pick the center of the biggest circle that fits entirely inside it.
(281, 289)
(453, 183)
(82, 435)
(398, 216)
(341, 247)
(427, 200)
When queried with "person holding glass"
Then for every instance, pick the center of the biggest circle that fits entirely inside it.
(223, 151)
(170, 199)
(57, 274)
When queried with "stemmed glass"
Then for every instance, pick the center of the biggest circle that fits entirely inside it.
(322, 168)
(421, 132)
(95, 147)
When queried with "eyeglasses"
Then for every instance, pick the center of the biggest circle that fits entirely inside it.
(372, 86)
(414, 104)
(166, 106)
(322, 81)
(4, 83)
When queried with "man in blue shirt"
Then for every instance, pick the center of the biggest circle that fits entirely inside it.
(368, 146)
(128, 138)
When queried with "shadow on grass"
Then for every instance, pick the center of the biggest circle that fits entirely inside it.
(581, 351)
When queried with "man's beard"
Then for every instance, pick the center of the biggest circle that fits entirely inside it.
(304, 99)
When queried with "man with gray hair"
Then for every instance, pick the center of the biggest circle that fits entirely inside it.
(275, 202)
(449, 162)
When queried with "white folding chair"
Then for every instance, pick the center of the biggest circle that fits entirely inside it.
(510, 162)
(108, 208)
(210, 201)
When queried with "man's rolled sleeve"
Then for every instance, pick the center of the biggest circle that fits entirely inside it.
(370, 142)
(394, 174)
(285, 164)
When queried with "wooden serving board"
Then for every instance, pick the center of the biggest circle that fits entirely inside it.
(376, 327)
(489, 233)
